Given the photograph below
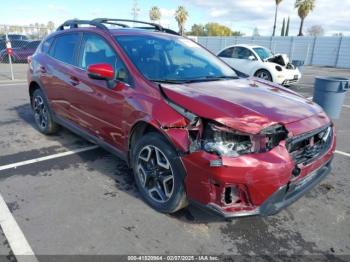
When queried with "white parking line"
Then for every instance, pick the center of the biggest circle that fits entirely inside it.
(13, 84)
(31, 161)
(346, 106)
(14, 235)
(13, 81)
(342, 153)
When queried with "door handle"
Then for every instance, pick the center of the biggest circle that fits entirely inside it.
(42, 69)
(74, 81)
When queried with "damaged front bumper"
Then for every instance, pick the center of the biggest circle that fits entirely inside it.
(264, 183)
(282, 198)
(289, 76)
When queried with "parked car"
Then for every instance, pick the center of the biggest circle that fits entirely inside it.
(14, 44)
(12, 37)
(261, 62)
(20, 53)
(185, 123)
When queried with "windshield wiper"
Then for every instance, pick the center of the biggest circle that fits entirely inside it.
(210, 78)
(169, 81)
(195, 80)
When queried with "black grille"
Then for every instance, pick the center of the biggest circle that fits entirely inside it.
(305, 148)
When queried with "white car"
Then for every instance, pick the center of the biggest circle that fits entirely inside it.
(261, 62)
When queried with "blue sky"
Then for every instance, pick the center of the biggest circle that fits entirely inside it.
(240, 15)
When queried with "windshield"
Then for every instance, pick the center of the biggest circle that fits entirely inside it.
(263, 53)
(177, 59)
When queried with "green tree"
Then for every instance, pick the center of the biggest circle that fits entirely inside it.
(42, 31)
(212, 29)
(181, 16)
(304, 8)
(198, 30)
(215, 29)
(315, 30)
(276, 11)
(283, 27)
(50, 26)
(287, 28)
(154, 14)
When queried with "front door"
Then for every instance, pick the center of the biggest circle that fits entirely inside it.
(97, 108)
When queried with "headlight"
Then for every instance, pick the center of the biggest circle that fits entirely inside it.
(225, 142)
(278, 68)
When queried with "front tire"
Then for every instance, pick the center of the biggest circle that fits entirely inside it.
(42, 114)
(263, 74)
(159, 173)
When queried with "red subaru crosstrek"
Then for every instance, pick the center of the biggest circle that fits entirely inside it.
(187, 124)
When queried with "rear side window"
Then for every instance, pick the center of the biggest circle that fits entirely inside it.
(64, 48)
(241, 53)
(46, 45)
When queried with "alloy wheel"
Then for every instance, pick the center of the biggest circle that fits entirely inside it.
(263, 75)
(40, 112)
(155, 174)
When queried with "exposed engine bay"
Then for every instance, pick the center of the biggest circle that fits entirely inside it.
(282, 60)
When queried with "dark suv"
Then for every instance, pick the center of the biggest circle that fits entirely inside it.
(186, 124)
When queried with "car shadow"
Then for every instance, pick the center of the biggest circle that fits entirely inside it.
(113, 167)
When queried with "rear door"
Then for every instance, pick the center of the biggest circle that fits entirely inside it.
(57, 73)
(97, 108)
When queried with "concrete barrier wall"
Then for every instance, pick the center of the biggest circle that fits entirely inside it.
(320, 51)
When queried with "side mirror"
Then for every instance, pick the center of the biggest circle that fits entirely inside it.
(251, 58)
(101, 72)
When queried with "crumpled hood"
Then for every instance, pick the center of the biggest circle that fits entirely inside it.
(247, 105)
(280, 59)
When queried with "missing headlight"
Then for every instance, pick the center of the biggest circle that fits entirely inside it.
(223, 141)
(274, 135)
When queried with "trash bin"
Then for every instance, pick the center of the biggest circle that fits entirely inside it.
(329, 93)
(299, 64)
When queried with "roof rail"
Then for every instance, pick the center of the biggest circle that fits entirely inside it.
(154, 26)
(99, 23)
(74, 24)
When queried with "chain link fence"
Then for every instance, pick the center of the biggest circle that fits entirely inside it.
(16, 44)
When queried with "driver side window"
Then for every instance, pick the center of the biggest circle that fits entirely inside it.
(95, 50)
(241, 53)
(227, 53)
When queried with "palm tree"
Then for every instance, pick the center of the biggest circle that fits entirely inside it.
(50, 26)
(154, 14)
(304, 8)
(276, 10)
(181, 16)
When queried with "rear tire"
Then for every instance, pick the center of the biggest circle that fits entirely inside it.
(263, 74)
(42, 113)
(159, 173)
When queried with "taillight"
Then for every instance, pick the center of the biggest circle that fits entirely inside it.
(29, 59)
